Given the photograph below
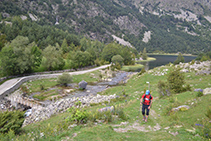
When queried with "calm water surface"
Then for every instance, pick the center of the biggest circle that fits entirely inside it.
(165, 59)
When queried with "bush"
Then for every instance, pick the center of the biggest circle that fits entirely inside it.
(176, 81)
(119, 111)
(163, 89)
(64, 79)
(208, 114)
(199, 94)
(11, 120)
(80, 116)
(204, 129)
(117, 59)
(142, 71)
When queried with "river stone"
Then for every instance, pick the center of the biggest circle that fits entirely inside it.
(82, 84)
(207, 91)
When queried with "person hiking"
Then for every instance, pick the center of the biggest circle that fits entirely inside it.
(146, 102)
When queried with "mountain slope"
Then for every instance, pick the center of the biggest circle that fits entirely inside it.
(175, 26)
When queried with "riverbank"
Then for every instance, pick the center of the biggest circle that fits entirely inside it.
(173, 54)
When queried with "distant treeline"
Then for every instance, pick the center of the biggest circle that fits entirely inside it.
(28, 47)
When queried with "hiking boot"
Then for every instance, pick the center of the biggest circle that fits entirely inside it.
(145, 120)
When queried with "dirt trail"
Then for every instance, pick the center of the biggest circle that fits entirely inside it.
(137, 124)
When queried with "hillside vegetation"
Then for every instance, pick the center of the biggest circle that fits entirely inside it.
(184, 28)
(192, 123)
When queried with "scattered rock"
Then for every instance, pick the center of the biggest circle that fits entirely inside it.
(182, 108)
(191, 131)
(166, 128)
(207, 91)
(106, 109)
(41, 113)
(82, 84)
(174, 133)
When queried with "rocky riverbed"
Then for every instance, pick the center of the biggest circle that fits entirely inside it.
(86, 97)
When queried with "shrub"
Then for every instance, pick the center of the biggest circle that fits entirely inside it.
(64, 79)
(163, 89)
(118, 66)
(176, 81)
(42, 87)
(208, 114)
(119, 111)
(179, 59)
(78, 103)
(142, 71)
(24, 89)
(204, 129)
(80, 116)
(117, 59)
(199, 94)
(11, 120)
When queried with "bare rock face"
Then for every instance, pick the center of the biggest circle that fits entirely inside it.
(133, 25)
(82, 84)
(198, 7)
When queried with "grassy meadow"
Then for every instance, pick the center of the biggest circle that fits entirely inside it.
(162, 123)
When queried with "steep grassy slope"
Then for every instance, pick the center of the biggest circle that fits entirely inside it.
(181, 125)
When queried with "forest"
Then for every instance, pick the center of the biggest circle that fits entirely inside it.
(27, 47)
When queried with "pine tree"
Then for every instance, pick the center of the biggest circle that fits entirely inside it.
(144, 54)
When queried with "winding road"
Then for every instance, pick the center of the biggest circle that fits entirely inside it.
(13, 84)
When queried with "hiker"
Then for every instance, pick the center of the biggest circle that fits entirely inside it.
(146, 101)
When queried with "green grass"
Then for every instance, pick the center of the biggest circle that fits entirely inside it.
(178, 122)
(46, 95)
(132, 67)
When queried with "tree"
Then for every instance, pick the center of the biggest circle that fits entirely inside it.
(144, 54)
(109, 51)
(11, 120)
(117, 59)
(85, 44)
(3, 41)
(82, 59)
(127, 55)
(64, 79)
(176, 80)
(52, 58)
(64, 46)
(179, 59)
(19, 56)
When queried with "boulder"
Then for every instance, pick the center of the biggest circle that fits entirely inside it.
(82, 84)
(207, 91)
(182, 108)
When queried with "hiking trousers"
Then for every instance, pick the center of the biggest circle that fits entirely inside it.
(145, 108)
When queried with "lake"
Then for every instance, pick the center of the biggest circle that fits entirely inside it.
(164, 59)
